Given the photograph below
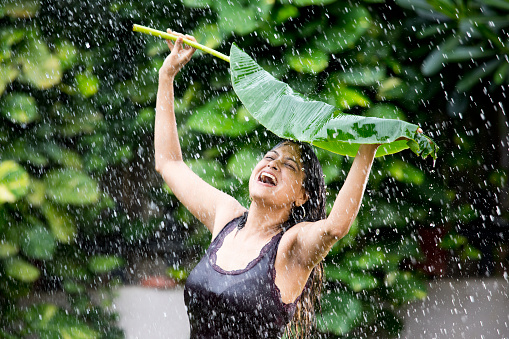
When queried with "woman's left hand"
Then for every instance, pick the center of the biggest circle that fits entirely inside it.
(179, 56)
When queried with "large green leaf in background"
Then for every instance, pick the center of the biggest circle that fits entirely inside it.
(14, 181)
(290, 115)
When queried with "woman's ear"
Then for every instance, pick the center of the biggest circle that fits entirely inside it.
(302, 199)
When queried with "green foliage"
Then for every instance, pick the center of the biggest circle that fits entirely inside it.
(467, 34)
(285, 113)
(14, 181)
(77, 100)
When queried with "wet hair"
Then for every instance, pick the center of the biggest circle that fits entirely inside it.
(304, 320)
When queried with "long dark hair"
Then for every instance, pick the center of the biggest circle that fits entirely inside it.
(304, 319)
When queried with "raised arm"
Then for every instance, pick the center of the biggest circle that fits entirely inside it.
(211, 206)
(313, 240)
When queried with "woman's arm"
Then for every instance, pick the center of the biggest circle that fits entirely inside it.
(313, 240)
(208, 204)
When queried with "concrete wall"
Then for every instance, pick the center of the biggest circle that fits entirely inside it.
(469, 308)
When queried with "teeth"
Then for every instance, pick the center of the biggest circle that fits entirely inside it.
(269, 176)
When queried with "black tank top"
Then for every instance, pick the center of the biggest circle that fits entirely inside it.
(243, 303)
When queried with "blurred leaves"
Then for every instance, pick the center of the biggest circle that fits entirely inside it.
(14, 181)
(77, 98)
(38, 243)
(19, 108)
(341, 311)
(469, 34)
(103, 264)
(21, 270)
(71, 187)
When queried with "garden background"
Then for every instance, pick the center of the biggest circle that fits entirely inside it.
(80, 201)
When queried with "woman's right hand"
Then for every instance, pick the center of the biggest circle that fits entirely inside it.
(179, 56)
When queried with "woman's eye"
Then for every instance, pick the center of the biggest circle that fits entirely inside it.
(290, 167)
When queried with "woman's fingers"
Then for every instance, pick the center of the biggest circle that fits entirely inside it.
(180, 54)
(419, 130)
(178, 43)
(190, 37)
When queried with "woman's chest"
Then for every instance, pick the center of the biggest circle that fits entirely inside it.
(234, 255)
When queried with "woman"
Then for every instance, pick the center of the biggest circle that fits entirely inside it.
(262, 265)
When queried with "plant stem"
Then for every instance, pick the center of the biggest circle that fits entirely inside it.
(167, 36)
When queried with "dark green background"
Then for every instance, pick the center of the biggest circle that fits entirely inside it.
(80, 200)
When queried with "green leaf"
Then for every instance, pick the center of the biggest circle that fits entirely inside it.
(39, 316)
(70, 186)
(286, 12)
(290, 115)
(63, 156)
(14, 181)
(72, 120)
(436, 60)
(385, 111)
(392, 88)
(341, 311)
(87, 84)
(473, 77)
(345, 97)
(7, 74)
(37, 194)
(73, 287)
(503, 4)
(311, 61)
(219, 117)
(7, 249)
(23, 150)
(362, 76)
(356, 280)
(210, 171)
(209, 35)
(242, 162)
(470, 252)
(405, 287)
(53, 322)
(198, 3)
(21, 9)
(61, 223)
(346, 32)
(501, 74)
(38, 243)
(239, 17)
(453, 241)
(68, 268)
(40, 67)
(405, 172)
(21, 270)
(105, 263)
(19, 108)
(302, 3)
(66, 53)
(177, 274)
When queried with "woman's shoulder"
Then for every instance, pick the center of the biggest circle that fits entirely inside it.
(225, 216)
(293, 237)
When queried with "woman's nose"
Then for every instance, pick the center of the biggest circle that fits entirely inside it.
(274, 165)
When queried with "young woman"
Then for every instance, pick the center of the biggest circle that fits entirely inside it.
(262, 268)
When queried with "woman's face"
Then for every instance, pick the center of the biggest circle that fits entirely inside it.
(278, 178)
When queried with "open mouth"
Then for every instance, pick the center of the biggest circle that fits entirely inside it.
(267, 178)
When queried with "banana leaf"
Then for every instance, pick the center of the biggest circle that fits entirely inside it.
(292, 116)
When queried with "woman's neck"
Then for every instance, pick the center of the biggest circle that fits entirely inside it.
(265, 221)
